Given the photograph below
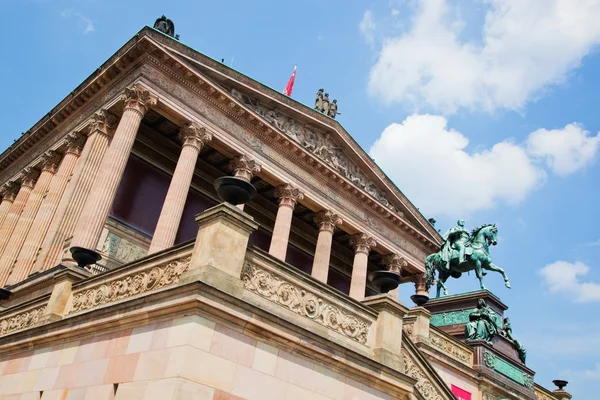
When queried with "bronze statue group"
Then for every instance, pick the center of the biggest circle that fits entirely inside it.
(323, 105)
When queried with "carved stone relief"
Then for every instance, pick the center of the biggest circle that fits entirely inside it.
(131, 285)
(447, 347)
(317, 143)
(424, 385)
(297, 299)
(20, 321)
(122, 249)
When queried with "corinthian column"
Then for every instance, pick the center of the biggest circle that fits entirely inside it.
(244, 168)
(72, 202)
(288, 197)
(35, 238)
(394, 263)
(327, 221)
(8, 192)
(193, 137)
(362, 244)
(49, 167)
(8, 225)
(93, 217)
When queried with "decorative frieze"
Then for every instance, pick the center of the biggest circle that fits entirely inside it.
(460, 317)
(23, 320)
(130, 285)
(122, 249)
(496, 363)
(318, 143)
(450, 349)
(301, 301)
(424, 385)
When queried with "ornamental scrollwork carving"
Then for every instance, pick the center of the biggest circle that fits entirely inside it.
(408, 329)
(21, 321)
(447, 347)
(131, 285)
(424, 385)
(302, 302)
(317, 143)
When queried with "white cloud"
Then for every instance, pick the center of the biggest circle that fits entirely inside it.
(367, 27)
(83, 22)
(565, 278)
(564, 150)
(592, 373)
(524, 47)
(428, 161)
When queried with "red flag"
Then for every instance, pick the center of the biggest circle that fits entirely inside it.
(290, 85)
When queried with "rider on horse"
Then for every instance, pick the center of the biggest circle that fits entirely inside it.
(456, 238)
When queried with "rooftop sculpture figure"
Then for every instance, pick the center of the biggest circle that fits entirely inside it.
(166, 26)
(462, 252)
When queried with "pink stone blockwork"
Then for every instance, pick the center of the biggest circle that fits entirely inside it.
(233, 346)
(295, 370)
(121, 368)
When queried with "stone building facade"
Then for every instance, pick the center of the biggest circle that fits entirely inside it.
(199, 299)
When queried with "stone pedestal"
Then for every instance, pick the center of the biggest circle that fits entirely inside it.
(62, 294)
(418, 318)
(221, 244)
(387, 337)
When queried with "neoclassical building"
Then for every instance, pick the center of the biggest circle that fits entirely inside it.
(196, 298)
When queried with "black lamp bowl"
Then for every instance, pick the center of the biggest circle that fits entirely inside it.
(84, 257)
(385, 281)
(5, 294)
(419, 299)
(560, 383)
(234, 190)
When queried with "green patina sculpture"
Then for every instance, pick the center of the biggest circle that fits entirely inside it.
(507, 332)
(462, 252)
(481, 324)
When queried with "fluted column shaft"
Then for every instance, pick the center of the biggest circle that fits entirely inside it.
(327, 221)
(193, 137)
(288, 197)
(30, 175)
(362, 244)
(244, 168)
(93, 217)
(37, 233)
(28, 216)
(72, 202)
(8, 193)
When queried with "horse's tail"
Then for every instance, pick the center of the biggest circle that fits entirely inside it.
(429, 271)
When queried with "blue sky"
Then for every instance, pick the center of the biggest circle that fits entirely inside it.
(481, 110)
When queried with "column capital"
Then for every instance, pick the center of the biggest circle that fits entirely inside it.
(195, 135)
(328, 220)
(50, 161)
(420, 281)
(289, 195)
(8, 191)
(244, 167)
(394, 262)
(29, 176)
(138, 99)
(74, 143)
(101, 121)
(362, 243)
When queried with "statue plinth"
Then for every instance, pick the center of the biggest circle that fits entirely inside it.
(451, 314)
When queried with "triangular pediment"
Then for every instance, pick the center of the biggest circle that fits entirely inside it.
(318, 134)
(429, 384)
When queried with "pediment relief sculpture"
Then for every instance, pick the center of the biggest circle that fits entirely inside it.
(317, 143)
